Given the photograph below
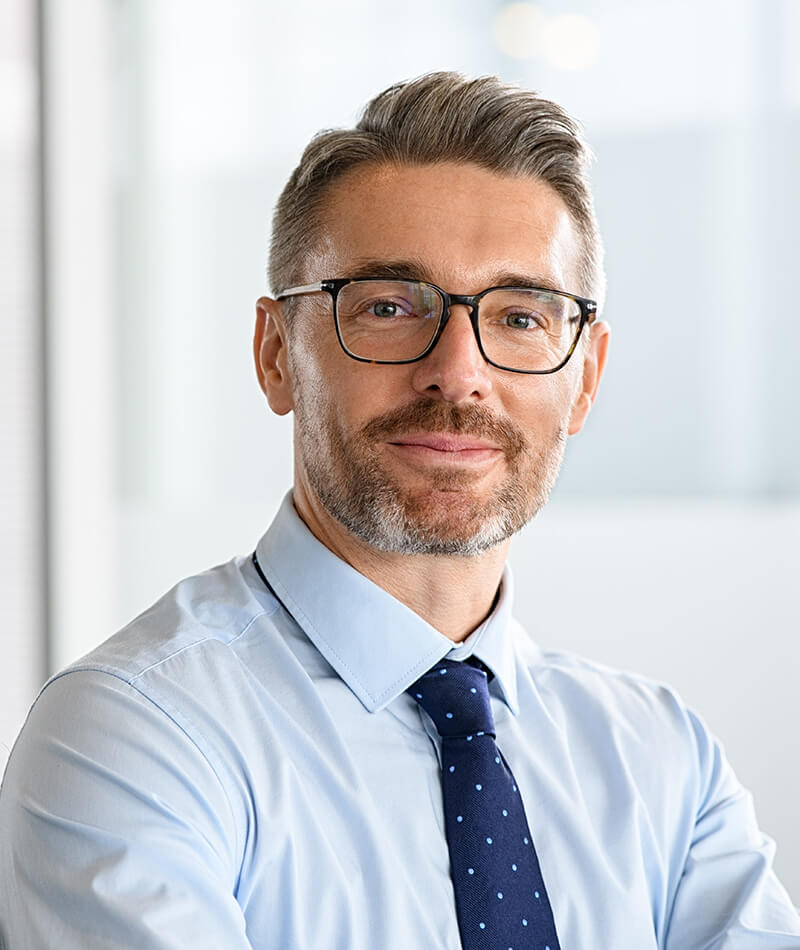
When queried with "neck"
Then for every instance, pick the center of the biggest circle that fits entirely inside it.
(453, 594)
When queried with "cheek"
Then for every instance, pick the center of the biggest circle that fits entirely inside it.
(331, 391)
(308, 373)
(542, 404)
(365, 391)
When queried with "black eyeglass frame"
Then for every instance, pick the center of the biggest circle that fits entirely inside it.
(588, 309)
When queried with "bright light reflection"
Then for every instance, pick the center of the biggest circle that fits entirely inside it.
(518, 30)
(570, 41)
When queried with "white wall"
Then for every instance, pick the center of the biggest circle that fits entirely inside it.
(22, 551)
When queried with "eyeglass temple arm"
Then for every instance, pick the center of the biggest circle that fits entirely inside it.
(296, 291)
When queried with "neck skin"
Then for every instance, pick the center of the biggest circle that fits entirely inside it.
(453, 594)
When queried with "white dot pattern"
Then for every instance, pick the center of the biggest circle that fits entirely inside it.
(501, 899)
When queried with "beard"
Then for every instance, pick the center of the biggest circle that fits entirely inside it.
(448, 516)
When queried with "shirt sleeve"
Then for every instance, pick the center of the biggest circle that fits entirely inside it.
(728, 897)
(115, 829)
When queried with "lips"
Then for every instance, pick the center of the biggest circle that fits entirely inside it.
(433, 430)
(445, 442)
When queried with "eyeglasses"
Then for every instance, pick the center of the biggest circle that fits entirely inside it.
(519, 329)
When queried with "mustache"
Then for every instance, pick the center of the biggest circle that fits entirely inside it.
(429, 415)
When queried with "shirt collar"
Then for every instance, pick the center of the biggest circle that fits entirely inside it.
(376, 644)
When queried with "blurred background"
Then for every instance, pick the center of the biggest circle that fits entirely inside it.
(143, 144)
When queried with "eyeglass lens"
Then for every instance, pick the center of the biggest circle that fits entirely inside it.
(397, 320)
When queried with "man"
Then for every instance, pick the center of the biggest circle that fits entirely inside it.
(345, 741)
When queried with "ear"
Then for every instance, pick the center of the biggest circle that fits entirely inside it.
(593, 365)
(271, 355)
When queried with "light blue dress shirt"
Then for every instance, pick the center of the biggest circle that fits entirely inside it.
(236, 771)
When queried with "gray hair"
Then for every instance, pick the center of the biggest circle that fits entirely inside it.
(442, 117)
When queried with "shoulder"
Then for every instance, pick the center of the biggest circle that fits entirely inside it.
(168, 692)
(624, 719)
(579, 683)
(123, 764)
(207, 613)
(174, 674)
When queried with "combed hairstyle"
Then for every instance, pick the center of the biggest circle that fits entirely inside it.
(442, 117)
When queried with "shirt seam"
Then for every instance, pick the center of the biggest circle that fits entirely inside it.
(203, 640)
(161, 704)
(168, 709)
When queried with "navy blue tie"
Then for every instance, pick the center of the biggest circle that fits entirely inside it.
(501, 901)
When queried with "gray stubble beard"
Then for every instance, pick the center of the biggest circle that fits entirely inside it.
(356, 490)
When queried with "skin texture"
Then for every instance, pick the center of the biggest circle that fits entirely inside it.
(453, 454)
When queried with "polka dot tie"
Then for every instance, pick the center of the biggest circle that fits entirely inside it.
(501, 901)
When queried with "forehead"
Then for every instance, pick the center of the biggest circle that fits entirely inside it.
(464, 224)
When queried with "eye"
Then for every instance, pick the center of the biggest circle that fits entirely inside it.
(521, 321)
(384, 308)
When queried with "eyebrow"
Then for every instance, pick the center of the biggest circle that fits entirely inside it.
(415, 269)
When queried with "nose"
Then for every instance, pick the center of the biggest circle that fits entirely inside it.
(454, 371)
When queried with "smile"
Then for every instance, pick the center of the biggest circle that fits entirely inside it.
(445, 448)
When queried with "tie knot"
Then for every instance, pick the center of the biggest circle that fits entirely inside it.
(456, 697)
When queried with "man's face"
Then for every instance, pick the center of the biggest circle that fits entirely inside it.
(447, 455)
